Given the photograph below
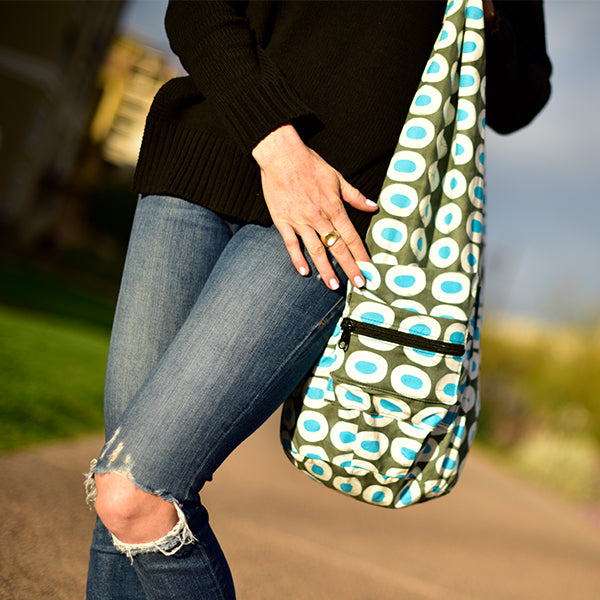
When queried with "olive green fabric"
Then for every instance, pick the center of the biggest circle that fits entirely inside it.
(388, 414)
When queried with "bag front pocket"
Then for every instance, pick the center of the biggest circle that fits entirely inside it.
(396, 379)
(390, 351)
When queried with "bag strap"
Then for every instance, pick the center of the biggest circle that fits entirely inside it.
(431, 206)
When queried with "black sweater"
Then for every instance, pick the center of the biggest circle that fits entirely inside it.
(344, 73)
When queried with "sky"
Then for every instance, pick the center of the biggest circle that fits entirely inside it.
(543, 244)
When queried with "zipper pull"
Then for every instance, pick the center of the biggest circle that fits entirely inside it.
(346, 333)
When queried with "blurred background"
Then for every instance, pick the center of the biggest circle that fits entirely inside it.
(77, 79)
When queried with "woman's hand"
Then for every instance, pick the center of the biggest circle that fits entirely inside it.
(305, 196)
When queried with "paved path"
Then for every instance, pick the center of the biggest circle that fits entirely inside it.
(493, 538)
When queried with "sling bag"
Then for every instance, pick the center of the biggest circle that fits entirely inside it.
(390, 410)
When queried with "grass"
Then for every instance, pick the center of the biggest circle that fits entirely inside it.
(51, 377)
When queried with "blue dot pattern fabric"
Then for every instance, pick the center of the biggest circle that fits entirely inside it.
(388, 414)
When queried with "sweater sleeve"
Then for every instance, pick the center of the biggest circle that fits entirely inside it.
(218, 49)
(518, 67)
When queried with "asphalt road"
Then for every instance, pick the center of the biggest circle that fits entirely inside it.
(493, 538)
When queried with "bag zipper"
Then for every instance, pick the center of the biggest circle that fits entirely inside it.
(402, 338)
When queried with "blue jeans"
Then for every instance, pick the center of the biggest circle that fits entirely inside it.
(213, 330)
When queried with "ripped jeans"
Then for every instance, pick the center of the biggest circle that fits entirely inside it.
(214, 328)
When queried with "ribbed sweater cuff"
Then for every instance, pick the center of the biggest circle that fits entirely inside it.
(260, 109)
(199, 168)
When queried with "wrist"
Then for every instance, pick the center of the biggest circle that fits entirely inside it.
(284, 139)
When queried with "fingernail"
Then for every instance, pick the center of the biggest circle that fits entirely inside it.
(359, 281)
(303, 270)
(334, 284)
(370, 203)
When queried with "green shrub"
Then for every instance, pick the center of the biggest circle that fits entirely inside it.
(27, 286)
(540, 404)
(567, 463)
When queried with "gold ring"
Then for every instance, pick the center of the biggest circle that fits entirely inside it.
(329, 239)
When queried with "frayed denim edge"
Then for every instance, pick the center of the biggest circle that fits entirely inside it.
(180, 536)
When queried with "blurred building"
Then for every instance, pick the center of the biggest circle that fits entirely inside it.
(50, 55)
(130, 77)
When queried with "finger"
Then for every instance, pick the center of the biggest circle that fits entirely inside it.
(349, 248)
(351, 239)
(290, 239)
(318, 254)
(341, 250)
(353, 197)
(347, 262)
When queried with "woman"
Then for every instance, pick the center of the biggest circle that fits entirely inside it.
(215, 324)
